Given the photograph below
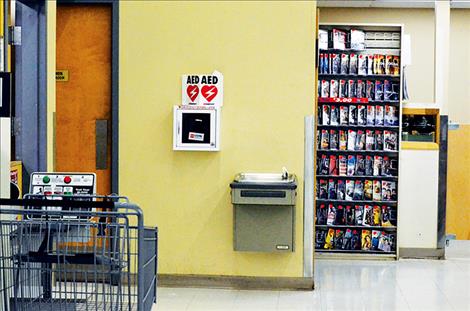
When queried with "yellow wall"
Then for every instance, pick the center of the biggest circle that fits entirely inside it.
(266, 52)
(418, 23)
(458, 183)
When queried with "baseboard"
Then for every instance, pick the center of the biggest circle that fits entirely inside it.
(422, 253)
(235, 282)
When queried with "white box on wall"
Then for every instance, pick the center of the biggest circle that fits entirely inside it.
(196, 128)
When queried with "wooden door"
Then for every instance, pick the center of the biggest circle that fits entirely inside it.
(83, 102)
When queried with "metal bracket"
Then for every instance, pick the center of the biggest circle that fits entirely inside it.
(14, 37)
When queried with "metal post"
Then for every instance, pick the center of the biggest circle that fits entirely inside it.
(308, 195)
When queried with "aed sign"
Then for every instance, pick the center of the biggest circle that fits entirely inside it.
(203, 90)
(62, 75)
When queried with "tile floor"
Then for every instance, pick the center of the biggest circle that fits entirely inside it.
(346, 285)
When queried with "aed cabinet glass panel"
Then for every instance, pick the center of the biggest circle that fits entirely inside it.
(196, 128)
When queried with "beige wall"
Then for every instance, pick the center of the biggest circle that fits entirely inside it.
(459, 81)
(418, 23)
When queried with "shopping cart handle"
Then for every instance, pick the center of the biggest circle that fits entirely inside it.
(72, 259)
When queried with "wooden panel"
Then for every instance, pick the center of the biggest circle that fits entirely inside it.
(458, 183)
(84, 49)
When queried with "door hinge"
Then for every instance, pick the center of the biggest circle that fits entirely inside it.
(14, 35)
(15, 126)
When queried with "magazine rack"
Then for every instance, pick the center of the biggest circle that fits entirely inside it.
(358, 126)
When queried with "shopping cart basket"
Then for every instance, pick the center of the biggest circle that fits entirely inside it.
(76, 254)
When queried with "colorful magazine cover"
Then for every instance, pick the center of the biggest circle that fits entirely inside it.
(334, 88)
(343, 165)
(325, 139)
(377, 217)
(343, 140)
(344, 64)
(324, 165)
(340, 216)
(362, 65)
(386, 166)
(320, 236)
(343, 88)
(353, 64)
(367, 216)
(359, 210)
(360, 165)
(391, 116)
(366, 240)
(360, 140)
(370, 140)
(335, 62)
(386, 216)
(322, 214)
(358, 190)
(370, 115)
(386, 191)
(329, 240)
(341, 190)
(333, 165)
(370, 90)
(339, 238)
(390, 141)
(351, 165)
(325, 88)
(351, 139)
(377, 195)
(331, 215)
(379, 90)
(379, 142)
(352, 115)
(325, 115)
(351, 89)
(361, 115)
(349, 190)
(360, 89)
(356, 240)
(334, 140)
(323, 189)
(343, 115)
(347, 239)
(368, 190)
(369, 165)
(331, 189)
(384, 242)
(375, 239)
(379, 115)
(350, 215)
(377, 165)
(334, 115)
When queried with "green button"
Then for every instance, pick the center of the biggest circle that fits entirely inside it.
(46, 179)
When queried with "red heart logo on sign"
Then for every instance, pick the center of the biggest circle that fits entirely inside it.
(209, 92)
(192, 91)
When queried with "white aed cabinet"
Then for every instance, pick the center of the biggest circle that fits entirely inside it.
(196, 128)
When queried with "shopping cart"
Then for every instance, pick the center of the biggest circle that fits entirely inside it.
(76, 254)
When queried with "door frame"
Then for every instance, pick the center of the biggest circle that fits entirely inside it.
(114, 4)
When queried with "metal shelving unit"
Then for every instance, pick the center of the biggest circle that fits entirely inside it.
(334, 231)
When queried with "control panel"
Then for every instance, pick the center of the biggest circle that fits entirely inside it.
(63, 183)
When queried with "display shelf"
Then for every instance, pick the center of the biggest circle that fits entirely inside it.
(369, 202)
(358, 151)
(358, 177)
(357, 227)
(352, 251)
(367, 50)
(380, 41)
(356, 76)
(355, 100)
(365, 127)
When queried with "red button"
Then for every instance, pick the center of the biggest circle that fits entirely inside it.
(67, 179)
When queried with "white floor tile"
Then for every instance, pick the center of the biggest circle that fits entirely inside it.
(345, 285)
